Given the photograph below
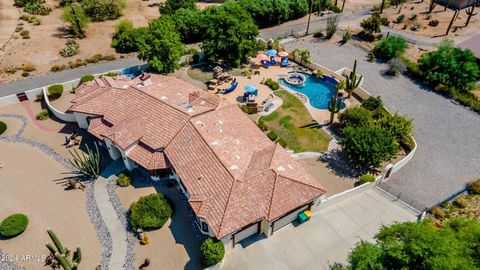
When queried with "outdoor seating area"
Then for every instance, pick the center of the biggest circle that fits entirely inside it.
(220, 78)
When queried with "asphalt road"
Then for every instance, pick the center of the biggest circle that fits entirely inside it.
(66, 75)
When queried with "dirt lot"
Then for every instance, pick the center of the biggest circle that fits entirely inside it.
(29, 181)
(420, 9)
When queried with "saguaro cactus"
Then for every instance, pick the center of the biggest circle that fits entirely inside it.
(335, 104)
(470, 13)
(88, 164)
(352, 81)
(61, 255)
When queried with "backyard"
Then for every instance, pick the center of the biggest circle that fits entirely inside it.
(293, 124)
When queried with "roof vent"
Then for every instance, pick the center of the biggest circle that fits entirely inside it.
(200, 123)
(163, 97)
(280, 169)
(234, 167)
(215, 143)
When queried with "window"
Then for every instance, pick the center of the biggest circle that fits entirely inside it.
(204, 226)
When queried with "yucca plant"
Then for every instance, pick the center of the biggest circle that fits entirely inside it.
(60, 255)
(88, 164)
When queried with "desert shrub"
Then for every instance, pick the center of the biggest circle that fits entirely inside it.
(18, 28)
(399, 126)
(389, 47)
(272, 135)
(3, 127)
(25, 34)
(43, 115)
(355, 116)
(366, 178)
(318, 34)
(413, 17)
(433, 23)
(332, 24)
(35, 20)
(150, 212)
(475, 187)
(86, 78)
(461, 201)
(368, 146)
(261, 125)
(124, 180)
(11, 69)
(27, 67)
(347, 35)
(13, 225)
(372, 24)
(38, 97)
(36, 8)
(25, 74)
(272, 84)
(392, 70)
(76, 17)
(72, 48)
(415, 27)
(373, 103)
(22, 3)
(211, 252)
(385, 21)
(438, 212)
(55, 91)
(101, 10)
(58, 68)
(400, 19)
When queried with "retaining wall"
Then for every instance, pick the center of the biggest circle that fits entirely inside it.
(67, 117)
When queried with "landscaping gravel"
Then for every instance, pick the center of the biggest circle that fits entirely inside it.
(448, 135)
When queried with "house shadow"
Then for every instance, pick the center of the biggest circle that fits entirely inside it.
(251, 240)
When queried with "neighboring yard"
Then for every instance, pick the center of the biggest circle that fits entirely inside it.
(293, 124)
(204, 73)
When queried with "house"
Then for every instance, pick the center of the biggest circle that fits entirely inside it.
(237, 182)
(457, 4)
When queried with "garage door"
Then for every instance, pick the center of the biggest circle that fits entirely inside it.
(288, 218)
(249, 231)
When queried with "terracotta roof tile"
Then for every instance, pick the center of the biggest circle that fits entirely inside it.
(148, 158)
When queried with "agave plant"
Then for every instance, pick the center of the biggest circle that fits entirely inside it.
(60, 255)
(88, 164)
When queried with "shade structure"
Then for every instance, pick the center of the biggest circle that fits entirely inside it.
(283, 54)
(262, 57)
(251, 89)
(271, 52)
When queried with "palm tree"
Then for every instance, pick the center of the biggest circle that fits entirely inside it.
(274, 43)
(305, 56)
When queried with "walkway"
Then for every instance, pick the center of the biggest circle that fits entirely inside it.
(67, 75)
(327, 238)
(447, 134)
(109, 216)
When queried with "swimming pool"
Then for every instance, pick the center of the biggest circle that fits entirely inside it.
(318, 91)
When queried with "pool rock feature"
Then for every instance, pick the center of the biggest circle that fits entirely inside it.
(295, 79)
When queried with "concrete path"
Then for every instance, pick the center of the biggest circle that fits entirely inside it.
(114, 226)
(67, 75)
(326, 238)
(447, 134)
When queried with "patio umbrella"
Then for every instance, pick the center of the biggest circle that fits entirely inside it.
(271, 53)
(283, 54)
(261, 57)
(251, 89)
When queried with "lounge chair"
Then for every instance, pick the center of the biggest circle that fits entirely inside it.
(284, 62)
(272, 60)
(265, 63)
(231, 88)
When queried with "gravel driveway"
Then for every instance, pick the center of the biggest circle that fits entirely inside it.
(448, 135)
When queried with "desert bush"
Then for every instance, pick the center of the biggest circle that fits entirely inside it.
(124, 180)
(272, 84)
(392, 70)
(272, 135)
(58, 68)
(25, 74)
(413, 17)
(11, 69)
(76, 17)
(318, 34)
(399, 126)
(25, 34)
(372, 24)
(27, 67)
(43, 115)
(347, 35)
(355, 116)
(389, 47)
(373, 103)
(38, 97)
(18, 28)
(72, 48)
(86, 78)
(438, 212)
(36, 8)
(400, 19)
(461, 201)
(150, 212)
(13, 225)
(366, 178)
(3, 127)
(415, 27)
(475, 187)
(211, 252)
(35, 20)
(101, 10)
(433, 23)
(55, 91)
(332, 23)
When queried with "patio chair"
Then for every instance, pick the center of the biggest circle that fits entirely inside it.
(272, 60)
(231, 88)
(265, 63)
(284, 62)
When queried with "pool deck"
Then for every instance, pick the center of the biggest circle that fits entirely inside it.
(276, 72)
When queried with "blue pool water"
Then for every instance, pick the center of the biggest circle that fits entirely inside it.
(318, 91)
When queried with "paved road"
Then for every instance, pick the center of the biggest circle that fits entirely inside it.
(448, 135)
(326, 238)
(67, 75)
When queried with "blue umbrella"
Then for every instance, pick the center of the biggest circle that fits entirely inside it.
(251, 89)
(271, 53)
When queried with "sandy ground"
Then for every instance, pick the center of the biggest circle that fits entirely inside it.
(31, 184)
(459, 31)
(173, 246)
(326, 176)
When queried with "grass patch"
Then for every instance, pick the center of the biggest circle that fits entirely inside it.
(294, 126)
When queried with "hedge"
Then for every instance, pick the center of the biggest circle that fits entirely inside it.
(150, 212)
(211, 252)
(366, 178)
(87, 78)
(55, 91)
(272, 84)
(124, 180)
(13, 225)
(272, 135)
(3, 127)
(43, 115)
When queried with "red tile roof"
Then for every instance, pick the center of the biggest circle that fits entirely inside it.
(233, 173)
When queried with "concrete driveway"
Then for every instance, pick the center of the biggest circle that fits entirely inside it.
(326, 238)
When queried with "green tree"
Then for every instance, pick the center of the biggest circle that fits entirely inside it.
(101, 10)
(190, 24)
(389, 47)
(420, 246)
(127, 38)
(450, 66)
(298, 9)
(368, 146)
(356, 116)
(372, 24)
(229, 35)
(170, 6)
(75, 16)
(161, 45)
(399, 126)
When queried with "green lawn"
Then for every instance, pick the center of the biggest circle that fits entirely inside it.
(294, 125)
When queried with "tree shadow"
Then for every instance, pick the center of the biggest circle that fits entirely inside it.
(63, 33)
(337, 162)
